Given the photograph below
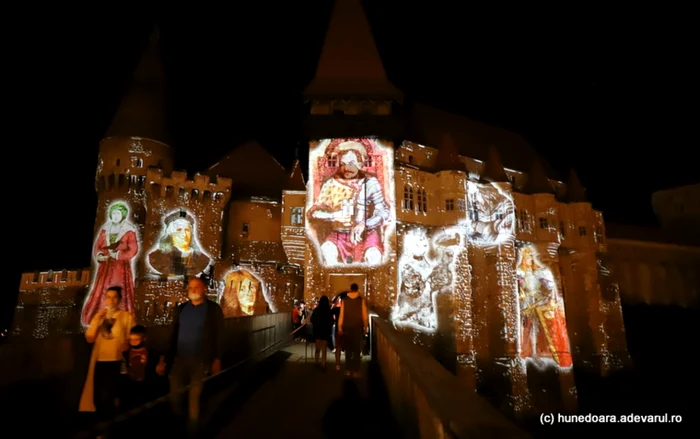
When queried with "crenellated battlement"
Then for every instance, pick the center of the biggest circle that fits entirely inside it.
(54, 278)
(201, 187)
(124, 162)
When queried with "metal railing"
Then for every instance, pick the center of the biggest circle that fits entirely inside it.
(209, 382)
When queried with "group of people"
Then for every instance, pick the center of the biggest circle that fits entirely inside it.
(340, 327)
(123, 372)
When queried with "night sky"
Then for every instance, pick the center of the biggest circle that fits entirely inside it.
(604, 92)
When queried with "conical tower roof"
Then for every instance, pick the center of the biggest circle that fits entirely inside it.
(142, 111)
(537, 181)
(350, 65)
(493, 168)
(296, 179)
(575, 192)
(448, 156)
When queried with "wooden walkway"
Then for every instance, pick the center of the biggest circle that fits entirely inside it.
(303, 401)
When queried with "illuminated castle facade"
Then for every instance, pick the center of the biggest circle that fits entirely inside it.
(500, 272)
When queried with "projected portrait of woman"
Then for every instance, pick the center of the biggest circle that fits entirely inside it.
(115, 249)
(177, 252)
(543, 335)
(242, 295)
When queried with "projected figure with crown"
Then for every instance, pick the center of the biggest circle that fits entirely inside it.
(349, 213)
(177, 252)
(115, 249)
(543, 332)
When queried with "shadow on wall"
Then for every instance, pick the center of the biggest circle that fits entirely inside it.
(47, 376)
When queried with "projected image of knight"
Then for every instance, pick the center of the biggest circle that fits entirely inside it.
(490, 214)
(350, 211)
(177, 252)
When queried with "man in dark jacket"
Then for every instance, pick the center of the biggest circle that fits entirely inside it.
(196, 346)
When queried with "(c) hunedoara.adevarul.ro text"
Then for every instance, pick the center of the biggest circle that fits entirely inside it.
(558, 418)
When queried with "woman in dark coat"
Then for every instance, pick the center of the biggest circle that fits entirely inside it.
(322, 324)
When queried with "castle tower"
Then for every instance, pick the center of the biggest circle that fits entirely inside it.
(132, 146)
(293, 206)
(350, 95)
(351, 108)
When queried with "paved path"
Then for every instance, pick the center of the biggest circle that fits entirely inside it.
(302, 401)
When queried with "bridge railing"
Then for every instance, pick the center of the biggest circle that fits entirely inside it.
(47, 376)
(426, 399)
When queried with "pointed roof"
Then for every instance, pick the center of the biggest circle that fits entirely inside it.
(296, 179)
(142, 111)
(254, 171)
(492, 170)
(575, 192)
(448, 156)
(350, 65)
(537, 181)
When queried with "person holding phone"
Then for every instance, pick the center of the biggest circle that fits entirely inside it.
(109, 334)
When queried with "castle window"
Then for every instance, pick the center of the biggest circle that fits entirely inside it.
(133, 180)
(195, 193)
(117, 162)
(139, 163)
(297, 216)
(368, 162)
(410, 159)
(64, 276)
(543, 223)
(182, 192)
(168, 191)
(581, 231)
(332, 161)
(217, 196)
(206, 195)
(424, 202)
(473, 212)
(450, 204)
(499, 215)
(598, 234)
(407, 203)
(244, 229)
(562, 230)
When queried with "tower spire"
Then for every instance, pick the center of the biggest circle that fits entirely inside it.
(492, 170)
(296, 178)
(142, 111)
(350, 65)
(537, 180)
(575, 192)
(448, 156)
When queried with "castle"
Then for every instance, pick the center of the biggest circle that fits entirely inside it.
(503, 273)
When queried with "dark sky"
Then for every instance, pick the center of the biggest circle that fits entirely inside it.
(604, 91)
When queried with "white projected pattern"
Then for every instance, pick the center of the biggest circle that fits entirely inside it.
(491, 215)
(426, 268)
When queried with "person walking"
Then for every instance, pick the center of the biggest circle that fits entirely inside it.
(353, 324)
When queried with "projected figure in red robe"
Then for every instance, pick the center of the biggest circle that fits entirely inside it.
(115, 248)
(543, 333)
(350, 211)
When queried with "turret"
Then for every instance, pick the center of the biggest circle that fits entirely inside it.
(350, 95)
(293, 208)
(492, 170)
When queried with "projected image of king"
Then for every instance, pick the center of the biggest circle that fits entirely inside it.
(351, 211)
